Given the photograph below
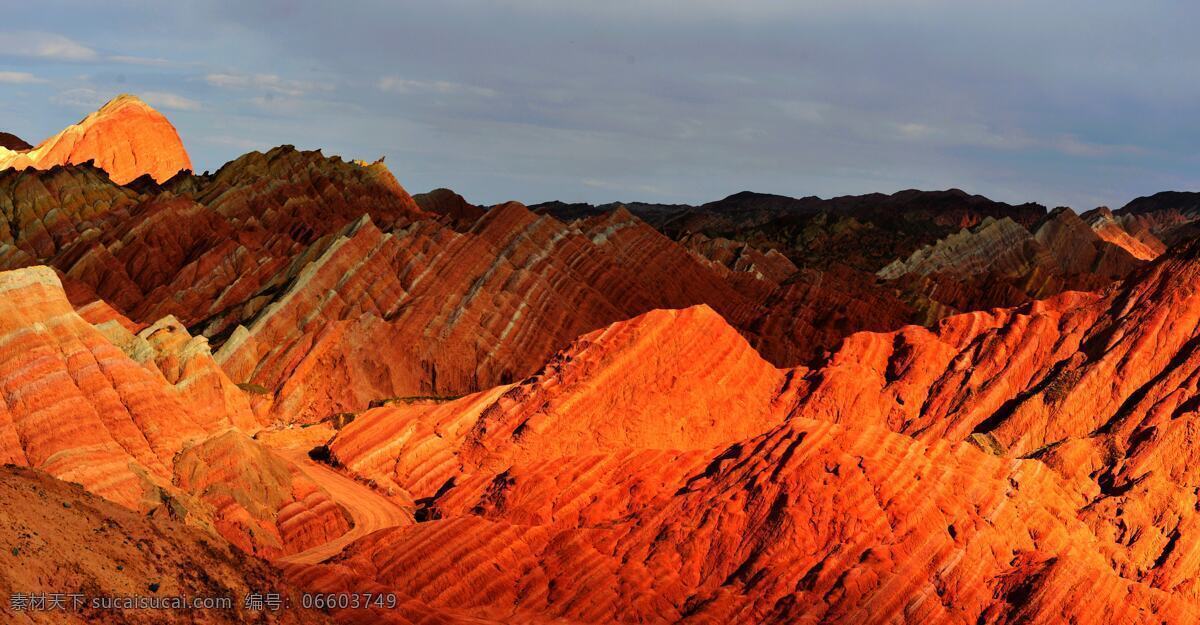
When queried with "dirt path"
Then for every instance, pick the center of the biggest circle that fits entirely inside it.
(370, 510)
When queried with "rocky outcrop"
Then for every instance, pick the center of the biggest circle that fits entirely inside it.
(1135, 239)
(74, 405)
(9, 141)
(44, 213)
(450, 205)
(126, 138)
(263, 504)
(1001, 263)
(186, 363)
(1170, 216)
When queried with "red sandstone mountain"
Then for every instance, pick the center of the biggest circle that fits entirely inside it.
(657, 415)
(146, 421)
(1001, 263)
(126, 138)
(1050, 484)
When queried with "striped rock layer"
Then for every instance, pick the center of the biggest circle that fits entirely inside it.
(1001, 263)
(289, 261)
(146, 420)
(1023, 465)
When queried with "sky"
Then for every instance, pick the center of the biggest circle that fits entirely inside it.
(1076, 103)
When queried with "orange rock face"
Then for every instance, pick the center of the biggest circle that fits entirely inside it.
(671, 396)
(146, 420)
(1018, 465)
(125, 138)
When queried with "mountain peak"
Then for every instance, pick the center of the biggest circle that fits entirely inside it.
(126, 138)
(123, 99)
(10, 141)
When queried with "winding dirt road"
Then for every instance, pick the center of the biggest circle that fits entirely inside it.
(370, 510)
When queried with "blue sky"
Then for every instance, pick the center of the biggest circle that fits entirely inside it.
(1066, 103)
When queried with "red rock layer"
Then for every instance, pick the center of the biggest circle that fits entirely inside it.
(46, 212)
(1000, 263)
(1028, 376)
(645, 384)
(164, 254)
(810, 522)
(125, 138)
(465, 310)
(1134, 238)
(1040, 472)
(264, 504)
(73, 404)
(127, 415)
(489, 306)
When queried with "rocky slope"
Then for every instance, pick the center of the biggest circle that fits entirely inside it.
(125, 137)
(1168, 215)
(668, 395)
(1001, 263)
(1015, 466)
(147, 421)
(58, 538)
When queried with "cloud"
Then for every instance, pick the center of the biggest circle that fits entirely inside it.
(44, 46)
(697, 97)
(138, 60)
(981, 136)
(1074, 146)
(609, 185)
(393, 84)
(19, 78)
(240, 143)
(80, 97)
(268, 82)
(960, 134)
(164, 100)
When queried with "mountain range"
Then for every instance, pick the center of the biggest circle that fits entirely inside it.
(291, 374)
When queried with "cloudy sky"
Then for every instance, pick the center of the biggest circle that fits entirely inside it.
(1071, 102)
